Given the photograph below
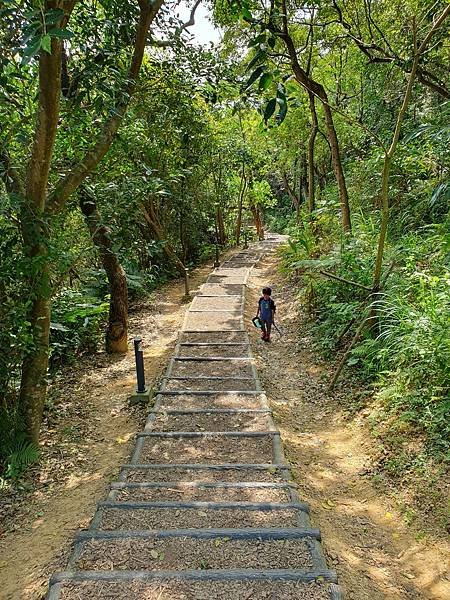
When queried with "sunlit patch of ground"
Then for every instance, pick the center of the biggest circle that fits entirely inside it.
(88, 434)
(377, 556)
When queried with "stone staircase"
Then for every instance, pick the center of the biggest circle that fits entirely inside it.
(206, 508)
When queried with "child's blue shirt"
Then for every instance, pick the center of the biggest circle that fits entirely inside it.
(265, 309)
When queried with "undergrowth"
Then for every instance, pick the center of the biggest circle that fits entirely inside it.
(405, 360)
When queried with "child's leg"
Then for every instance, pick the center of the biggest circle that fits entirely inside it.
(269, 329)
(263, 330)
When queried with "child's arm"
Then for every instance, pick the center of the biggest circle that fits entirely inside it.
(274, 308)
(259, 308)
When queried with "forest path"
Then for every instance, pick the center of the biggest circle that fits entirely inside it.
(87, 434)
(206, 508)
(367, 534)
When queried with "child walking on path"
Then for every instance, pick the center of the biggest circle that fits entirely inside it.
(266, 313)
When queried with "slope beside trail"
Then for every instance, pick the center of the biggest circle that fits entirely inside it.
(206, 508)
(367, 532)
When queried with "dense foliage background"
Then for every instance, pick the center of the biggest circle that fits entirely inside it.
(215, 141)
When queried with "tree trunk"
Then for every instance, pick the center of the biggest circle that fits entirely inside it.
(117, 332)
(291, 193)
(258, 221)
(151, 217)
(337, 166)
(33, 385)
(221, 227)
(241, 201)
(36, 236)
(391, 150)
(311, 143)
(318, 90)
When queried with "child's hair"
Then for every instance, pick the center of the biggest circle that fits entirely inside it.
(267, 290)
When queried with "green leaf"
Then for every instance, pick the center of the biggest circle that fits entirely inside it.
(259, 39)
(270, 109)
(257, 59)
(246, 14)
(53, 16)
(281, 92)
(265, 81)
(46, 43)
(31, 49)
(283, 110)
(64, 34)
(253, 77)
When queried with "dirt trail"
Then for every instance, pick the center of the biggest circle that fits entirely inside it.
(89, 433)
(374, 552)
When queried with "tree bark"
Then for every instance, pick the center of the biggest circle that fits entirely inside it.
(317, 89)
(38, 207)
(36, 233)
(149, 213)
(243, 187)
(311, 144)
(258, 221)
(221, 227)
(117, 332)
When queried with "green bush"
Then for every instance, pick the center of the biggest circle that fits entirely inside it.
(407, 358)
(78, 325)
(16, 451)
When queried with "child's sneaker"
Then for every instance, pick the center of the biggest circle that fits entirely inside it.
(263, 336)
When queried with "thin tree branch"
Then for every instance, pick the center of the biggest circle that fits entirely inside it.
(343, 280)
(189, 23)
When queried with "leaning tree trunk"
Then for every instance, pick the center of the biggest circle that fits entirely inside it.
(117, 332)
(337, 166)
(258, 221)
(39, 207)
(242, 189)
(221, 227)
(311, 144)
(149, 213)
(317, 89)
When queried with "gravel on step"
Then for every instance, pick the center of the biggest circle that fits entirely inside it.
(269, 475)
(191, 493)
(217, 337)
(192, 401)
(226, 271)
(205, 303)
(213, 368)
(218, 289)
(189, 553)
(210, 449)
(194, 590)
(210, 384)
(227, 279)
(192, 518)
(214, 321)
(212, 422)
(214, 351)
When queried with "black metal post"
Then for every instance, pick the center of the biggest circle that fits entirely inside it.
(140, 375)
(186, 281)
